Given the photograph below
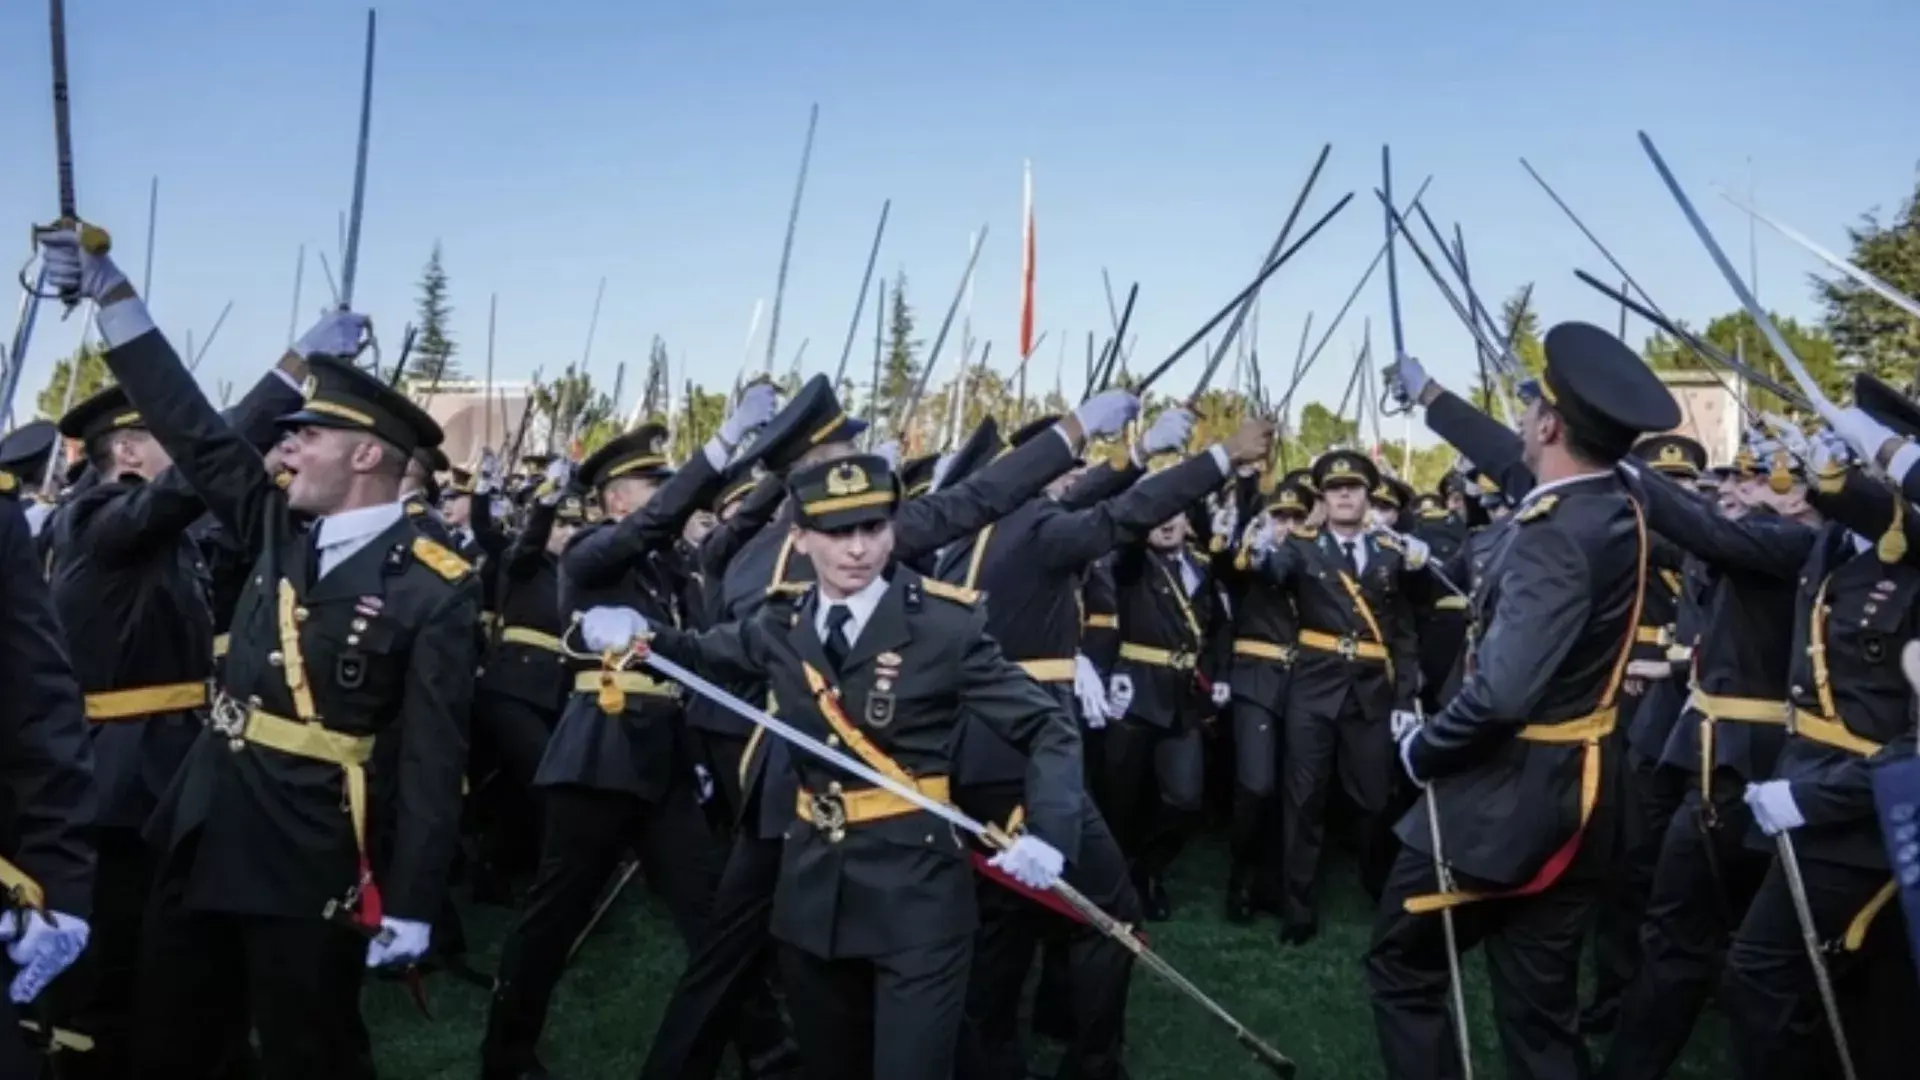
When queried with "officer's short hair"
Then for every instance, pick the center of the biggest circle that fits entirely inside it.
(100, 450)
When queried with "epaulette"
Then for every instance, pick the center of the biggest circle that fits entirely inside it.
(440, 559)
(1538, 509)
(1306, 533)
(794, 589)
(414, 509)
(1390, 542)
(956, 593)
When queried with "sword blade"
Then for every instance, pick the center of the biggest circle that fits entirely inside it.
(1393, 264)
(350, 258)
(1823, 980)
(62, 118)
(1887, 292)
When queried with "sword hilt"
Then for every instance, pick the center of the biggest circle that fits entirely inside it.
(94, 241)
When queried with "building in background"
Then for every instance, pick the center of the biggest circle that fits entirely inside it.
(1708, 411)
(472, 422)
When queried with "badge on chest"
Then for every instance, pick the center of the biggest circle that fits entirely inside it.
(880, 700)
(350, 667)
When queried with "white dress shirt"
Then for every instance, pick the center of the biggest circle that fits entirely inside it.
(343, 534)
(1359, 542)
(860, 605)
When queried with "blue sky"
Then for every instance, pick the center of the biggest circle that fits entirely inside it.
(548, 145)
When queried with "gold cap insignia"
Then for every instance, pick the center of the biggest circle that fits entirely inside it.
(310, 386)
(848, 479)
(1671, 454)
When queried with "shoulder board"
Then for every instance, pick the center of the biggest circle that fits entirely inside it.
(414, 509)
(957, 594)
(1305, 533)
(1538, 509)
(1389, 541)
(789, 588)
(439, 559)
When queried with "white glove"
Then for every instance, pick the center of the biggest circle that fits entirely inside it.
(1106, 412)
(1226, 519)
(1401, 721)
(401, 942)
(1119, 694)
(1417, 551)
(1262, 537)
(1406, 755)
(1773, 807)
(1032, 862)
(43, 947)
(1222, 693)
(1830, 453)
(72, 269)
(940, 468)
(1791, 438)
(1407, 379)
(1169, 431)
(1091, 690)
(604, 628)
(1862, 432)
(891, 451)
(559, 470)
(749, 414)
(339, 333)
(1468, 488)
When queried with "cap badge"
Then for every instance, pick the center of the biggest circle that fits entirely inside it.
(848, 479)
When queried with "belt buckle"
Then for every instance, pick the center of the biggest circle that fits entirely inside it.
(1349, 648)
(1181, 661)
(829, 814)
(228, 717)
(1665, 638)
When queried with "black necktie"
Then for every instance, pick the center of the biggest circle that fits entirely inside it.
(313, 555)
(835, 643)
(1346, 552)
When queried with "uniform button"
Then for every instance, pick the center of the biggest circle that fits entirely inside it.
(275, 658)
(1798, 691)
(833, 740)
(299, 614)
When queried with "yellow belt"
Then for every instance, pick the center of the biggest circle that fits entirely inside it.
(244, 726)
(1653, 635)
(1450, 602)
(837, 809)
(539, 639)
(1349, 647)
(1713, 709)
(141, 702)
(1585, 732)
(1102, 622)
(1048, 670)
(1680, 654)
(1828, 732)
(221, 643)
(1863, 919)
(1256, 649)
(631, 682)
(1155, 656)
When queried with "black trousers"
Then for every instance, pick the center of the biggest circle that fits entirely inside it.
(1154, 831)
(1097, 969)
(1649, 795)
(1256, 761)
(724, 992)
(97, 995)
(1533, 957)
(890, 1017)
(209, 977)
(587, 831)
(510, 735)
(1768, 989)
(17, 1057)
(1359, 750)
(1705, 877)
(723, 754)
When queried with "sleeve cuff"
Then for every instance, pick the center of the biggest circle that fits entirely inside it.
(1219, 455)
(290, 381)
(122, 321)
(716, 454)
(1903, 461)
(1064, 437)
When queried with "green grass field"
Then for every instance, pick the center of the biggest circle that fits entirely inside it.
(1309, 1002)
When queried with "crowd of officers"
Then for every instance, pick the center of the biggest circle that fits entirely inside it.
(285, 679)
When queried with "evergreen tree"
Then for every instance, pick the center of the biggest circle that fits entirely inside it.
(1884, 338)
(433, 349)
(95, 376)
(1736, 335)
(899, 367)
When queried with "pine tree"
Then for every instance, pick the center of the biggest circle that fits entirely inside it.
(433, 349)
(1886, 339)
(899, 368)
(95, 376)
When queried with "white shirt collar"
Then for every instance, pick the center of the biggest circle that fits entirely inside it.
(862, 605)
(339, 536)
